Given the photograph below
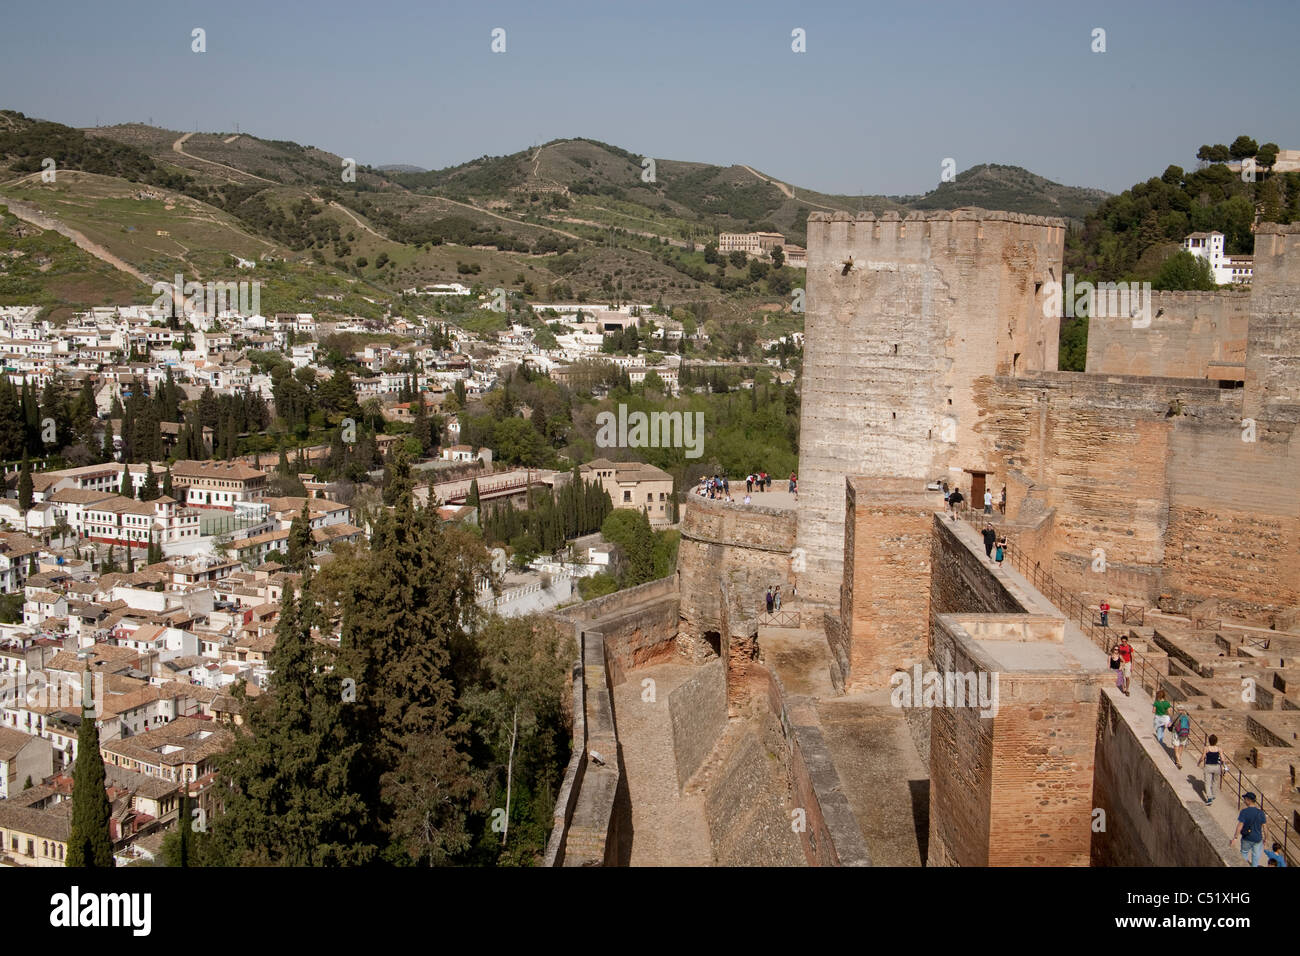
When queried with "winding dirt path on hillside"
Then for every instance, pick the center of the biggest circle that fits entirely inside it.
(176, 147)
(28, 212)
(353, 216)
(787, 191)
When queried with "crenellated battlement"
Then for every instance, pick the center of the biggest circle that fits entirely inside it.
(924, 235)
(964, 214)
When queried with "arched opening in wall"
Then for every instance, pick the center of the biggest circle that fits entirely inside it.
(714, 640)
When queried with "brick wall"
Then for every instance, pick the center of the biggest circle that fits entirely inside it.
(885, 600)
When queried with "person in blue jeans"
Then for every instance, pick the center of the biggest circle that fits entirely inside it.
(1250, 827)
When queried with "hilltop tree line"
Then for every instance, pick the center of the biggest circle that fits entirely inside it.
(1118, 240)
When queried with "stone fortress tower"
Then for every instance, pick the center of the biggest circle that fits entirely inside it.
(908, 321)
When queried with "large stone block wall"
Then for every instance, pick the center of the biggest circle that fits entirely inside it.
(1188, 331)
(1273, 346)
(907, 322)
(1234, 519)
(1154, 477)
(885, 601)
(749, 546)
(697, 711)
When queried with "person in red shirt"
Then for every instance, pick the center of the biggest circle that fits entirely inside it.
(1105, 613)
(1126, 662)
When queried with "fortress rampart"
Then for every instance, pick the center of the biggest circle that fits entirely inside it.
(1190, 335)
(908, 320)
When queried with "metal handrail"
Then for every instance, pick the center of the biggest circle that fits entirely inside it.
(1081, 614)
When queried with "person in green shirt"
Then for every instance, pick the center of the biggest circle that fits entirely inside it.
(1162, 707)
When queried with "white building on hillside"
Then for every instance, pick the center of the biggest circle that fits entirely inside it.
(1225, 269)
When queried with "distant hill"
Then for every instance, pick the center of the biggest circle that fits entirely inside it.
(570, 218)
(1011, 188)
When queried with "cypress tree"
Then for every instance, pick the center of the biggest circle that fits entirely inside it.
(149, 491)
(472, 500)
(167, 482)
(25, 492)
(126, 490)
(89, 842)
(108, 452)
(300, 792)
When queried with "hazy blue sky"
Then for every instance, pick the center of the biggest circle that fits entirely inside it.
(883, 94)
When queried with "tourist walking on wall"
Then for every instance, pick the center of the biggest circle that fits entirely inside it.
(794, 484)
(769, 600)
(988, 502)
(1126, 663)
(1250, 827)
(1182, 729)
(954, 503)
(1000, 550)
(1105, 613)
(1212, 761)
(776, 599)
(1163, 717)
(1116, 664)
(990, 536)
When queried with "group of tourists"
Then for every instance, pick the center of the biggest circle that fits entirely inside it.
(759, 480)
(1171, 721)
(773, 599)
(716, 487)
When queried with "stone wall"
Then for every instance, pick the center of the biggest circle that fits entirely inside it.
(697, 710)
(1152, 490)
(908, 320)
(749, 546)
(1188, 332)
(885, 600)
(961, 582)
(1273, 346)
(830, 835)
(1147, 823)
(616, 633)
(638, 625)
(1009, 785)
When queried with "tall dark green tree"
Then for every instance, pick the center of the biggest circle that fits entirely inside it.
(149, 490)
(90, 842)
(299, 793)
(126, 489)
(25, 491)
(299, 543)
